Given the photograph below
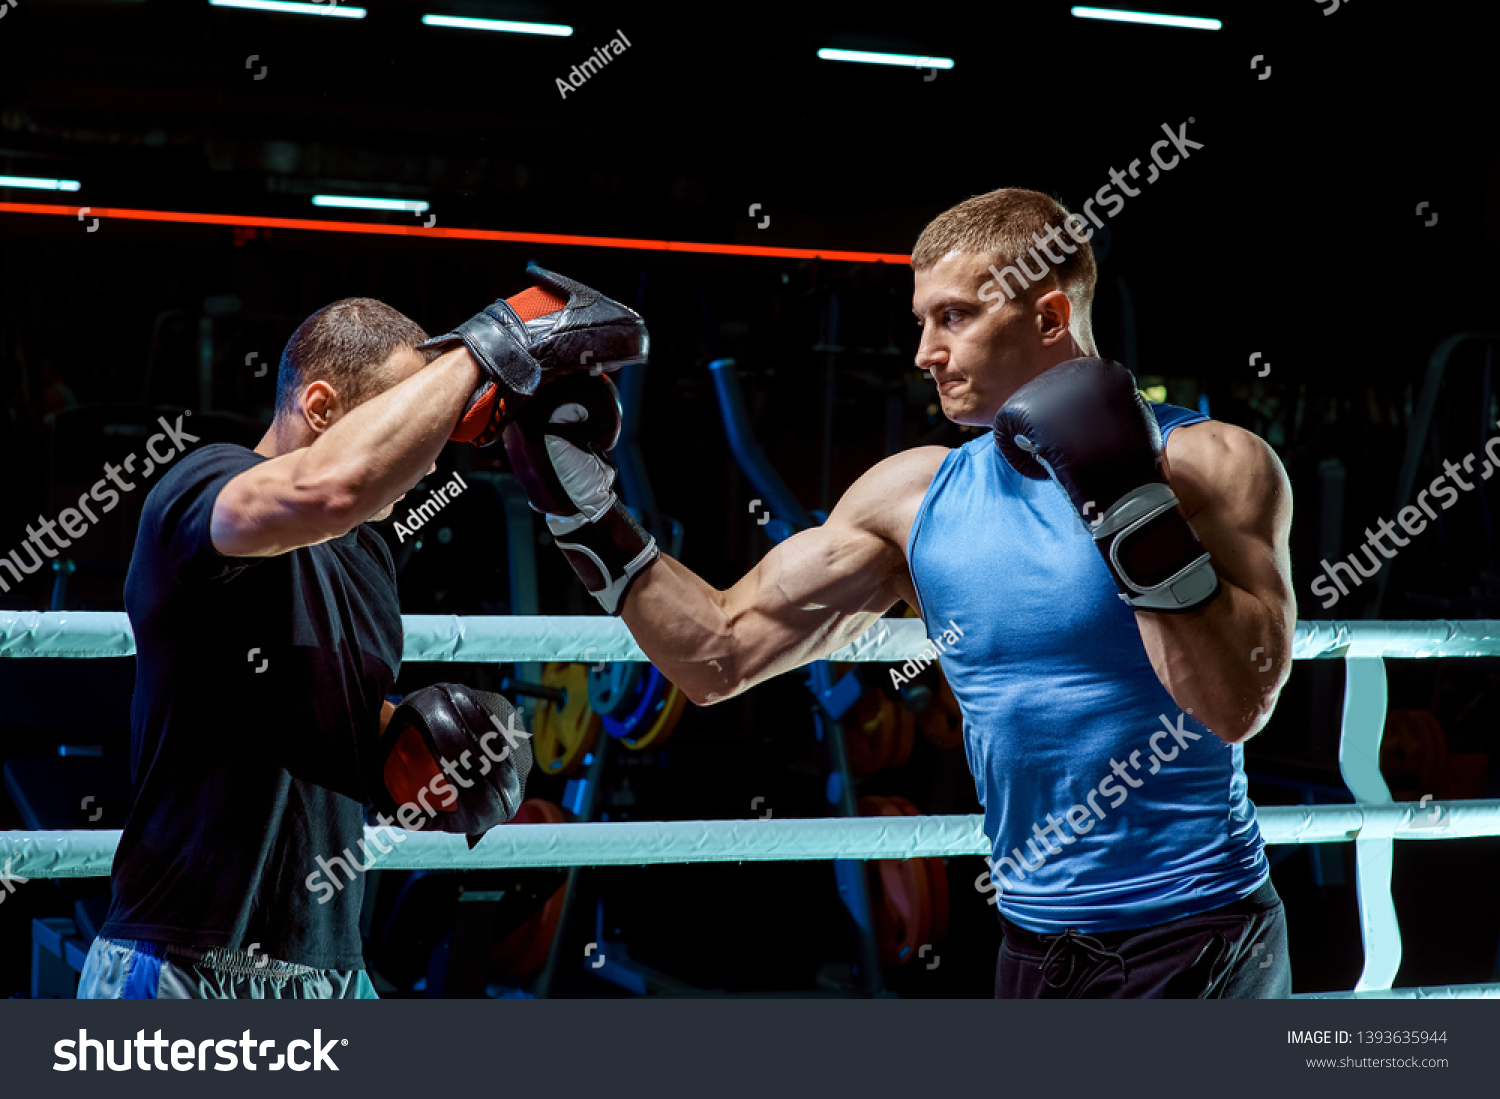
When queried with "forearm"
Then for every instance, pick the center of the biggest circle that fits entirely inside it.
(678, 620)
(1226, 662)
(381, 448)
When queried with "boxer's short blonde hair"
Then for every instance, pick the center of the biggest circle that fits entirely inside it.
(999, 225)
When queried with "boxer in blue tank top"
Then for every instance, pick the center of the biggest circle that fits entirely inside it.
(1115, 584)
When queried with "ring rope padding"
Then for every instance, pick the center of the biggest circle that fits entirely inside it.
(592, 638)
(86, 853)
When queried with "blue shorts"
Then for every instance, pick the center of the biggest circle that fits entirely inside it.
(122, 969)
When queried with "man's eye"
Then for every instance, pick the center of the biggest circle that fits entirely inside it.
(951, 315)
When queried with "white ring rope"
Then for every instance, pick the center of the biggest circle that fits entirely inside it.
(477, 639)
(82, 854)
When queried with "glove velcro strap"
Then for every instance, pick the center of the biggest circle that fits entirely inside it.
(451, 760)
(1154, 553)
(607, 554)
(497, 338)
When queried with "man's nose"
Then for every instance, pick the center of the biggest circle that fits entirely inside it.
(926, 353)
(432, 468)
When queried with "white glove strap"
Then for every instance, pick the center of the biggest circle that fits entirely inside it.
(586, 478)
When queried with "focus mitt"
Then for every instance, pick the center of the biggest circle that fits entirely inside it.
(556, 326)
(451, 759)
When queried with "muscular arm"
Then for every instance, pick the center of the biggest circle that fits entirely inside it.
(810, 596)
(367, 459)
(1233, 490)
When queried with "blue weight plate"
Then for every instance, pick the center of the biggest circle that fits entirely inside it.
(629, 722)
(613, 688)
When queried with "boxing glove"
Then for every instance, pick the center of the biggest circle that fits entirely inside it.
(1084, 424)
(557, 445)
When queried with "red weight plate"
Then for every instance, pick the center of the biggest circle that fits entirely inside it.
(524, 950)
(899, 896)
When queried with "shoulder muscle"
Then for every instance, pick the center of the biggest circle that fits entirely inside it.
(1230, 472)
(885, 499)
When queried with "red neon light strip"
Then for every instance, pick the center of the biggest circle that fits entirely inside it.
(316, 226)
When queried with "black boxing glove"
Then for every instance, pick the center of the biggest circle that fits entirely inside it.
(557, 445)
(1084, 424)
(556, 326)
(451, 759)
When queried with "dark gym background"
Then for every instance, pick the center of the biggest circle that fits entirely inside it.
(1291, 234)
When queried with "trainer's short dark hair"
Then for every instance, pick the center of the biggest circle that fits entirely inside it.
(346, 344)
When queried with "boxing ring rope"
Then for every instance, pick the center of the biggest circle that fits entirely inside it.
(446, 637)
(1372, 824)
(87, 854)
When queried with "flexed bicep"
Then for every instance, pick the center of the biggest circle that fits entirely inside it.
(808, 597)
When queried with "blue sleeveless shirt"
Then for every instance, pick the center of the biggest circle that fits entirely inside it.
(1108, 808)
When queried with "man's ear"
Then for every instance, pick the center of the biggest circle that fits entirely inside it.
(1054, 313)
(320, 406)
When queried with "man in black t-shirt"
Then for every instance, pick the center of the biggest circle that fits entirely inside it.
(268, 635)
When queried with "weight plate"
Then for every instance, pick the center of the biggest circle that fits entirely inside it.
(561, 736)
(636, 709)
(942, 722)
(870, 733)
(613, 687)
(937, 877)
(661, 720)
(524, 950)
(900, 894)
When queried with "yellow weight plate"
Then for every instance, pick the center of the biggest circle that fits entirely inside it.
(564, 735)
(661, 720)
(870, 733)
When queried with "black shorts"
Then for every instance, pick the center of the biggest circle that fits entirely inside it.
(1238, 951)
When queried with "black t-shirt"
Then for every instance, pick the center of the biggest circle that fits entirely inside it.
(254, 677)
